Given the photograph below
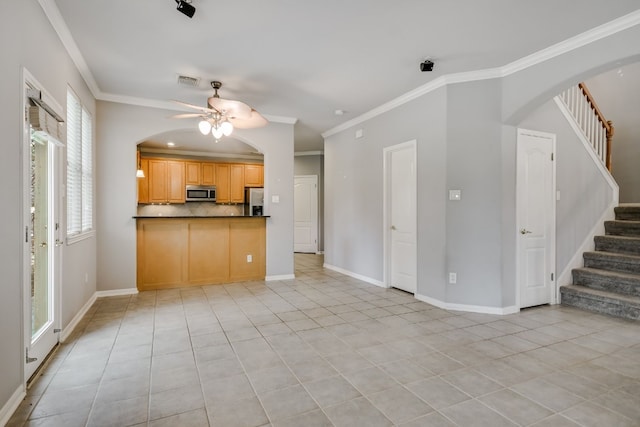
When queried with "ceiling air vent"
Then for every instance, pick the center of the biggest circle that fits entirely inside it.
(188, 81)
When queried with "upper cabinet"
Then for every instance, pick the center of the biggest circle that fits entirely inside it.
(200, 173)
(166, 181)
(192, 173)
(253, 175)
(229, 183)
(208, 171)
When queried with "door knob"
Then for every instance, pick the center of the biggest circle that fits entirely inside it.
(43, 244)
(393, 227)
(524, 231)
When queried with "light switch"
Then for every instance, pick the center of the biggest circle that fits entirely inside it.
(358, 133)
(455, 194)
(275, 199)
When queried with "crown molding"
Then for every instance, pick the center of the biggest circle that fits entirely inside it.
(308, 153)
(60, 26)
(207, 154)
(594, 34)
(597, 33)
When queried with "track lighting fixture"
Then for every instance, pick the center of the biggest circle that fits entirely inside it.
(186, 7)
(427, 65)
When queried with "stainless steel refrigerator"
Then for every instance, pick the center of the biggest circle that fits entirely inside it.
(254, 201)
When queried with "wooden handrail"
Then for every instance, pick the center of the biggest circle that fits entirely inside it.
(606, 124)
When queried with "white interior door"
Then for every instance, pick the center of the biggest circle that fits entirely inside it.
(42, 247)
(305, 196)
(535, 211)
(400, 224)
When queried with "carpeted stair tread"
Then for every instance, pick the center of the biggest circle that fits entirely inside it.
(612, 261)
(628, 212)
(618, 244)
(622, 228)
(600, 301)
(612, 281)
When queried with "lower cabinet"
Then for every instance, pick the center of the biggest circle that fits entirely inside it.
(179, 252)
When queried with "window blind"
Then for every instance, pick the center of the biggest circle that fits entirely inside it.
(79, 167)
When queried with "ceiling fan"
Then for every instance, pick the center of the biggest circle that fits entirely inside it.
(221, 115)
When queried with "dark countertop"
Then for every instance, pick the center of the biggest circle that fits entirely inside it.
(197, 217)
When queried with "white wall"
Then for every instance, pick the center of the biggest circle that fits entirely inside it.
(120, 128)
(354, 184)
(29, 41)
(616, 93)
(471, 132)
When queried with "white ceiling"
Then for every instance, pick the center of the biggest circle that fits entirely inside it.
(305, 59)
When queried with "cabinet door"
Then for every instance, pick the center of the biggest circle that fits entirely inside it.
(176, 187)
(237, 184)
(158, 181)
(253, 175)
(223, 194)
(208, 174)
(143, 183)
(192, 173)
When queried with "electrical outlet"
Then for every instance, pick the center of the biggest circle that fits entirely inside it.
(453, 278)
(249, 258)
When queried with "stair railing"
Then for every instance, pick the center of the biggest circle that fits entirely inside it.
(585, 111)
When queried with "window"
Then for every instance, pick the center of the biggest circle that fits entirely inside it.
(79, 168)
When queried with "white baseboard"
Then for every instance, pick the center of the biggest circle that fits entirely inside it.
(355, 275)
(12, 404)
(117, 292)
(68, 330)
(468, 308)
(320, 253)
(280, 277)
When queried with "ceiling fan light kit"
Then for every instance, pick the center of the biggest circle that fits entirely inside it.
(221, 116)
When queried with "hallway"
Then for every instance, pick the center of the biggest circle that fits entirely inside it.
(329, 350)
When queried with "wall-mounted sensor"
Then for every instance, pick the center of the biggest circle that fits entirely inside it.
(427, 65)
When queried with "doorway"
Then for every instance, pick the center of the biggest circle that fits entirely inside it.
(400, 207)
(42, 164)
(535, 218)
(305, 196)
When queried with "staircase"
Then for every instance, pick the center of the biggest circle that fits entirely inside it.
(609, 282)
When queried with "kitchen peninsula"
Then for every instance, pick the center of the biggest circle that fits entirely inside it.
(181, 242)
(188, 251)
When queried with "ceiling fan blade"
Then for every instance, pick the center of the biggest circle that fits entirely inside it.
(255, 120)
(187, 115)
(231, 108)
(195, 107)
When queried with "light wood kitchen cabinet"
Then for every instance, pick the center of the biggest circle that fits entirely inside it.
(180, 252)
(192, 173)
(197, 173)
(143, 183)
(236, 184)
(229, 183)
(166, 181)
(253, 175)
(208, 173)
(223, 177)
(176, 185)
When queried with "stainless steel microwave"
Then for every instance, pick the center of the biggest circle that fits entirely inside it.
(201, 193)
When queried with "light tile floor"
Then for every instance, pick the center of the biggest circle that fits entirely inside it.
(328, 350)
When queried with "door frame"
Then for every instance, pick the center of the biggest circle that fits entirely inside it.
(55, 196)
(386, 203)
(554, 296)
(317, 214)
